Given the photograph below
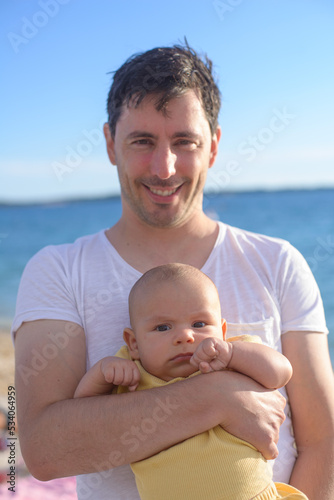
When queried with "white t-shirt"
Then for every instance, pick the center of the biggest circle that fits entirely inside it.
(265, 287)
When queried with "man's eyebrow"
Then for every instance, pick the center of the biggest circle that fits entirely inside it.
(140, 133)
(187, 134)
(183, 133)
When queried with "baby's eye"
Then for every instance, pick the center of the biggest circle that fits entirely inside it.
(162, 328)
(199, 324)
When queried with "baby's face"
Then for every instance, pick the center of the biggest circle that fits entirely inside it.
(170, 322)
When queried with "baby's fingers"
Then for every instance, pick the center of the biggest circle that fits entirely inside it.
(135, 379)
(131, 377)
(132, 388)
(205, 367)
(208, 348)
(206, 351)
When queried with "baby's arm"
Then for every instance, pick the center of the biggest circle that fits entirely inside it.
(106, 374)
(257, 361)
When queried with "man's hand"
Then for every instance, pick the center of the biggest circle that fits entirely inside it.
(118, 371)
(212, 354)
(252, 413)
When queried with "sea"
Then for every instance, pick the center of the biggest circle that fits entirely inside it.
(303, 217)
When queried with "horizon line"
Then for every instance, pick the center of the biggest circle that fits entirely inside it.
(208, 191)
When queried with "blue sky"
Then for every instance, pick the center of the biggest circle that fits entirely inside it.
(273, 60)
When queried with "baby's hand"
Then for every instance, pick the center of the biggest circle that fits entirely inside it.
(212, 354)
(118, 371)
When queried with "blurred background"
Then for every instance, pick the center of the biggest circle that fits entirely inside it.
(274, 174)
(273, 60)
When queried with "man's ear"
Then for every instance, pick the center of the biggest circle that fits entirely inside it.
(110, 143)
(131, 342)
(214, 146)
(224, 328)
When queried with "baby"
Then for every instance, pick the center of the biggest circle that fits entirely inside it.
(176, 332)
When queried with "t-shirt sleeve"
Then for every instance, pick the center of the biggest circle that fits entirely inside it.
(299, 296)
(45, 290)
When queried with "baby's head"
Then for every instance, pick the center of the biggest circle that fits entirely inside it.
(172, 309)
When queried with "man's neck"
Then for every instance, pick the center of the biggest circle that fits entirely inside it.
(143, 246)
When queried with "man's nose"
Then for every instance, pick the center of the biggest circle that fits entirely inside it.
(163, 162)
(184, 336)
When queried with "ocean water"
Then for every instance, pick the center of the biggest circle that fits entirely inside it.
(305, 218)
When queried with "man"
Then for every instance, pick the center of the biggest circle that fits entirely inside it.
(163, 135)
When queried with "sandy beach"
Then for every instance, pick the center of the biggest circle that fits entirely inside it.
(6, 362)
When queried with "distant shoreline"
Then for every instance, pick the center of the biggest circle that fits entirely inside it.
(83, 199)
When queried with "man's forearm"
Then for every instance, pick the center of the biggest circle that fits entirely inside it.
(62, 436)
(313, 473)
(78, 436)
(84, 435)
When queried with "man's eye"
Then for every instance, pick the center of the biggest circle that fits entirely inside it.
(162, 328)
(142, 141)
(199, 324)
(186, 143)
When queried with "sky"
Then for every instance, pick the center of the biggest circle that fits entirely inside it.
(273, 60)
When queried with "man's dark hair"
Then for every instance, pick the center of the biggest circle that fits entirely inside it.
(167, 72)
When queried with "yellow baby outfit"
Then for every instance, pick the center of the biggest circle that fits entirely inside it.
(214, 465)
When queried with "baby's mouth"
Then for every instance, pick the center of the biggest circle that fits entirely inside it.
(182, 356)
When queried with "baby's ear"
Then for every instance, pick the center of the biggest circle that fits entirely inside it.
(131, 342)
(224, 328)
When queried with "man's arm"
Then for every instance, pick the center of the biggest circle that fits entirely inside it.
(62, 436)
(311, 396)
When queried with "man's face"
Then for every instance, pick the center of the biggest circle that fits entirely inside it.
(162, 159)
(170, 320)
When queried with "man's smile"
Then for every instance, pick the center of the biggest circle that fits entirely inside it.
(165, 192)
